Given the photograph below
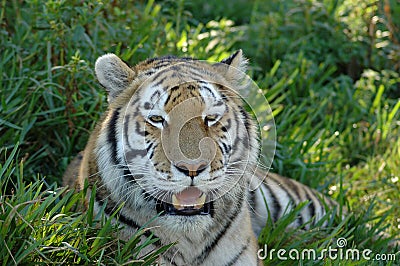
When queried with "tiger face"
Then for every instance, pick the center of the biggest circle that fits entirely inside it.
(180, 134)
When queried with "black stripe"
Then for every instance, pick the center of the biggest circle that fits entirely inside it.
(228, 125)
(126, 130)
(191, 87)
(281, 183)
(131, 154)
(219, 103)
(292, 187)
(252, 199)
(128, 175)
(164, 64)
(221, 149)
(149, 72)
(137, 129)
(295, 188)
(149, 146)
(236, 258)
(239, 141)
(133, 224)
(175, 88)
(246, 117)
(155, 97)
(200, 81)
(161, 81)
(110, 209)
(161, 59)
(134, 101)
(322, 207)
(159, 74)
(226, 148)
(168, 98)
(151, 154)
(277, 208)
(177, 73)
(111, 135)
(172, 69)
(311, 206)
(210, 91)
(203, 255)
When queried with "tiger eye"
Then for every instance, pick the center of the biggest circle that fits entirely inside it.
(156, 119)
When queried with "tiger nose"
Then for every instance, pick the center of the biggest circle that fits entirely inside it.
(191, 169)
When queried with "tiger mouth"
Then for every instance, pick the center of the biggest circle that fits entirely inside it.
(165, 208)
(190, 201)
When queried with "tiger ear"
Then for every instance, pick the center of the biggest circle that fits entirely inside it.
(233, 69)
(113, 74)
(236, 60)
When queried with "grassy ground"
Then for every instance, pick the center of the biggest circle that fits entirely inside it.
(329, 69)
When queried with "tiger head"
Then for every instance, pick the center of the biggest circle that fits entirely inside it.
(178, 130)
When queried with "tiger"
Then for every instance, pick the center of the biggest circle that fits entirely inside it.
(177, 143)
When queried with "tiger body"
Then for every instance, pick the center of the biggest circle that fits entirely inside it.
(176, 142)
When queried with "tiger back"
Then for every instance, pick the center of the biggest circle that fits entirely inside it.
(177, 142)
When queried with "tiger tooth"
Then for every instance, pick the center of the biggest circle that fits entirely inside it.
(176, 203)
(200, 202)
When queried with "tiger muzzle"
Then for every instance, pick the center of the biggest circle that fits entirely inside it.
(191, 169)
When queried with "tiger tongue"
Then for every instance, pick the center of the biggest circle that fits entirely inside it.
(190, 197)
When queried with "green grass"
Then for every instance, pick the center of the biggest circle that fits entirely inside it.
(334, 88)
(45, 225)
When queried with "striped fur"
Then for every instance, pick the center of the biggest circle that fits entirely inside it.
(167, 112)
